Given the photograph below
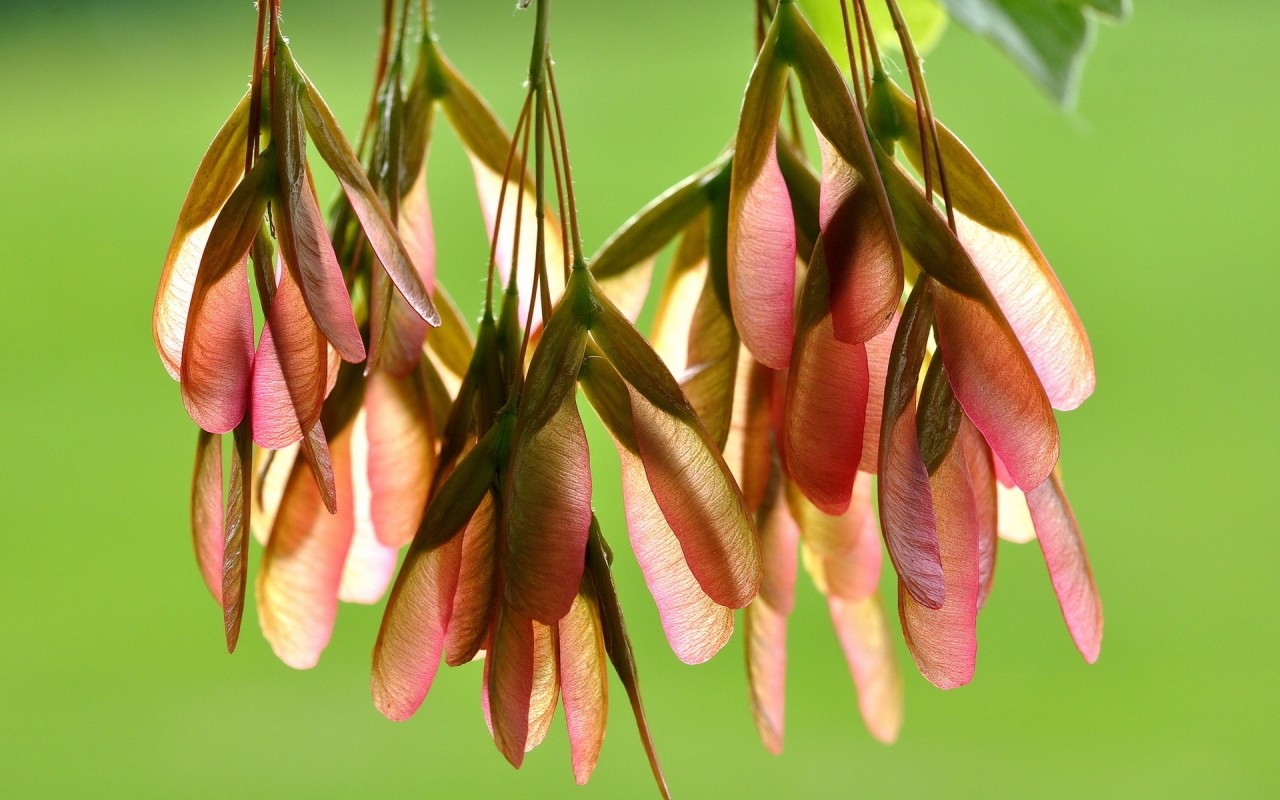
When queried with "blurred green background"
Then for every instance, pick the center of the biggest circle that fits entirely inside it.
(1156, 201)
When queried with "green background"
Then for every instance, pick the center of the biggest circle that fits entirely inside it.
(1156, 201)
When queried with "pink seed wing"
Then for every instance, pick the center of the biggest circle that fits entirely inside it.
(206, 511)
(982, 477)
(762, 259)
(679, 298)
(944, 641)
(749, 449)
(374, 220)
(407, 653)
(688, 476)
(584, 681)
(217, 348)
(546, 684)
(765, 621)
(991, 375)
(827, 388)
(762, 236)
(1038, 310)
(994, 382)
(271, 469)
(290, 372)
(235, 537)
(861, 250)
(1013, 266)
(779, 537)
(370, 563)
(765, 631)
(878, 348)
(401, 454)
(308, 252)
(509, 679)
(397, 332)
(904, 494)
(219, 172)
(858, 226)
(692, 485)
(714, 355)
(842, 553)
(548, 515)
(695, 625)
(473, 601)
(301, 570)
(1068, 563)
(863, 632)
(217, 364)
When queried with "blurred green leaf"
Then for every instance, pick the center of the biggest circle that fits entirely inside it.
(926, 19)
(1050, 39)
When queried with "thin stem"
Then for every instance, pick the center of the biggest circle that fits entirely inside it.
(853, 61)
(404, 29)
(917, 89)
(863, 50)
(513, 278)
(540, 200)
(518, 383)
(541, 44)
(566, 254)
(537, 73)
(568, 169)
(502, 199)
(255, 92)
(380, 71)
(871, 37)
(924, 112)
(273, 34)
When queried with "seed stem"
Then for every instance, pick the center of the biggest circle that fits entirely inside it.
(566, 252)
(513, 277)
(502, 198)
(853, 61)
(924, 113)
(578, 258)
(255, 91)
(540, 201)
(380, 70)
(874, 50)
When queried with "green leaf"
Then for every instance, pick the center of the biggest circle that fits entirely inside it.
(926, 19)
(1048, 38)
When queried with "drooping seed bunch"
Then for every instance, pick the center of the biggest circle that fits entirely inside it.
(785, 385)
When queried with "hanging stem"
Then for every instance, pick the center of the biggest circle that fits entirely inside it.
(540, 204)
(560, 199)
(380, 71)
(502, 199)
(924, 112)
(255, 91)
(272, 34)
(853, 61)
(568, 170)
(513, 278)
(865, 17)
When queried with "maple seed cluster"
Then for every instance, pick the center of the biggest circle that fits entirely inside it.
(873, 351)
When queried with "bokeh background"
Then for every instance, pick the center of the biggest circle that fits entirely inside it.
(1156, 200)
